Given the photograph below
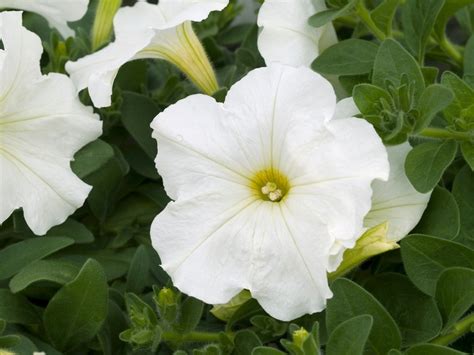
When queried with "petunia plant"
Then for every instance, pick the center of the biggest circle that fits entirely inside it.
(237, 177)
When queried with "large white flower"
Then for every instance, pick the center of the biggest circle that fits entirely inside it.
(264, 185)
(162, 31)
(286, 36)
(42, 125)
(57, 12)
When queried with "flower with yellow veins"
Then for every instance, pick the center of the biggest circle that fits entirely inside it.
(42, 125)
(286, 36)
(162, 31)
(57, 12)
(263, 186)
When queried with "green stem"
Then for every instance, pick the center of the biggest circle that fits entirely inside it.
(446, 45)
(198, 337)
(458, 330)
(441, 133)
(364, 15)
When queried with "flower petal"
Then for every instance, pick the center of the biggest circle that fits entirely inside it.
(198, 148)
(274, 107)
(57, 12)
(287, 37)
(396, 200)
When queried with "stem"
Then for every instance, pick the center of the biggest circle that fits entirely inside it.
(364, 15)
(199, 337)
(459, 329)
(446, 45)
(441, 133)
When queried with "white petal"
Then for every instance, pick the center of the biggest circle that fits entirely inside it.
(198, 148)
(42, 125)
(277, 114)
(396, 200)
(286, 36)
(57, 12)
(167, 14)
(21, 65)
(346, 108)
(98, 70)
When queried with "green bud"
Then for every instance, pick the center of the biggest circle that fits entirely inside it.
(103, 22)
(372, 242)
(300, 336)
(166, 301)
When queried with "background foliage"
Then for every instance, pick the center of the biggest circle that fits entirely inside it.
(94, 285)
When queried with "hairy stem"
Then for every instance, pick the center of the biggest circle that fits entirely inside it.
(458, 330)
(444, 134)
(364, 15)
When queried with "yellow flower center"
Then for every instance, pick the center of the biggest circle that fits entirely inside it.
(270, 185)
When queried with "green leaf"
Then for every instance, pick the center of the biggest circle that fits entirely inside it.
(434, 99)
(91, 158)
(57, 271)
(367, 98)
(463, 190)
(467, 149)
(425, 258)
(469, 61)
(392, 63)
(17, 309)
(190, 315)
(415, 313)
(447, 11)
(115, 323)
(426, 163)
(138, 111)
(245, 340)
(16, 256)
(76, 313)
(432, 349)
(138, 274)
(74, 230)
(441, 218)
(463, 95)
(418, 18)
(349, 337)
(455, 294)
(326, 16)
(383, 15)
(265, 350)
(349, 57)
(349, 301)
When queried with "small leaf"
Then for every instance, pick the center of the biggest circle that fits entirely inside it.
(463, 190)
(467, 149)
(265, 350)
(16, 256)
(349, 301)
(245, 340)
(425, 258)
(84, 301)
(138, 273)
(392, 63)
(326, 16)
(349, 337)
(16, 309)
(367, 98)
(447, 11)
(74, 230)
(432, 349)
(427, 162)
(455, 294)
(349, 57)
(415, 313)
(91, 158)
(57, 271)
(441, 218)
(384, 13)
(469, 61)
(190, 315)
(434, 99)
(463, 95)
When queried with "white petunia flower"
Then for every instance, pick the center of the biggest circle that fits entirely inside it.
(263, 186)
(42, 125)
(57, 12)
(162, 31)
(286, 36)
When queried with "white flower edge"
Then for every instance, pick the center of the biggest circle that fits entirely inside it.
(42, 125)
(145, 30)
(286, 37)
(57, 12)
(217, 238)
